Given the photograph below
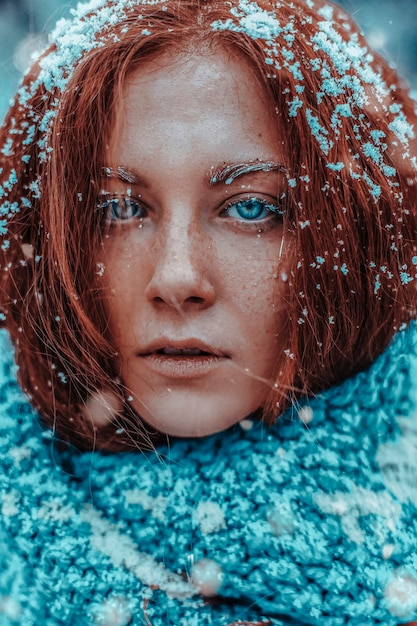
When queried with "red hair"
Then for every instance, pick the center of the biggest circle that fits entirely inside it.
(351, 206)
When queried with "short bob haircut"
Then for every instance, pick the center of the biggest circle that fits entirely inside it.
(347, 123)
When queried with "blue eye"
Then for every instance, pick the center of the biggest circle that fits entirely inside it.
(252, 210)
(121, 208)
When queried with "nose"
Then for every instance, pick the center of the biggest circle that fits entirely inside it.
(181, 270)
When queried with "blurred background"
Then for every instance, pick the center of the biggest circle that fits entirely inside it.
(390, 25)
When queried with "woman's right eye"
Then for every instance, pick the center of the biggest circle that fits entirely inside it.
(121, 208)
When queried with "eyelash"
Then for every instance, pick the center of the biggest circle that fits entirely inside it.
(130, 205)
(255, 221)
(132, 208)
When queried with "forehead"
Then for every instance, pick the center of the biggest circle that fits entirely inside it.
(189, 106)
(206, 71)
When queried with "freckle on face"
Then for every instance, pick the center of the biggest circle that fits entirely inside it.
(196, 311)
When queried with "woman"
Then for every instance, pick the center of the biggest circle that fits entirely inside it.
(208, 215)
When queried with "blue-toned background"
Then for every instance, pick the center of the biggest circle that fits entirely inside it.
(391, 27)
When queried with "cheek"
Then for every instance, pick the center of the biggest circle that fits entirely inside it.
(257, 280)
(123, 279)
(260, 295)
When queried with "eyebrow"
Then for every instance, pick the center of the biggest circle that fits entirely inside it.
(123, 174)
(226, 173)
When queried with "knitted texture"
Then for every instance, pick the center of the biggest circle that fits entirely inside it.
(312, 521)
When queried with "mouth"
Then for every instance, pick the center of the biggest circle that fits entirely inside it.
(185, 348)
(182, 359)
(184, 352)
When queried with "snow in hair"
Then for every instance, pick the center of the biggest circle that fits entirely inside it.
(345, 68)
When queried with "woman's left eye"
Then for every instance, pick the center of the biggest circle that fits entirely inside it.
(121, 208)
(252, 210)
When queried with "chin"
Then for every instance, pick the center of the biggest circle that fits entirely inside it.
(188, 429)
(178, 423)
(195, 412)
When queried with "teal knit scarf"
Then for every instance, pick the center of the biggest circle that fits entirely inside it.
(312, 521)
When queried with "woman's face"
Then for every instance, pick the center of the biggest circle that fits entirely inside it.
(192, 257)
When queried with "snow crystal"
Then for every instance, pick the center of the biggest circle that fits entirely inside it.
(210, 517)
(326, 12)
(359, 502)
(155, 505)
(319, 132)
(294, 106)
(336, 167)
(373, 187)
(252, 20)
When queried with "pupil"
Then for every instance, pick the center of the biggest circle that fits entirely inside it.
(250, 209)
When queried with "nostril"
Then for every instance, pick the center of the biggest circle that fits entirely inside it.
(195, 299)
(175, 302)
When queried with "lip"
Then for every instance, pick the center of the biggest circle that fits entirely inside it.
(190, 343)
(195, 357)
